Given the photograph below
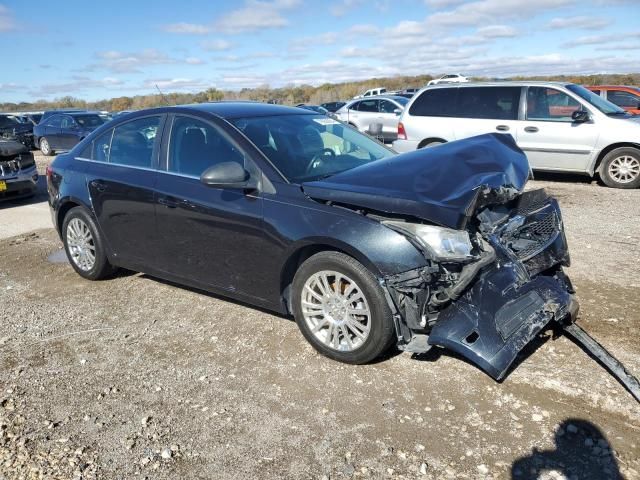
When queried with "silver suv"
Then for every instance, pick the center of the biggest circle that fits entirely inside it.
(560, 126)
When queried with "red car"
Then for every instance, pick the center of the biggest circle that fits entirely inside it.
(623, 96)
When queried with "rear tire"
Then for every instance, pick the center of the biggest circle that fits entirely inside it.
(327, 289)
(45, 148)
(432, 143)
(84, 245)
(620, 168)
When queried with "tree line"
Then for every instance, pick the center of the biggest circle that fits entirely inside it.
(288, 95)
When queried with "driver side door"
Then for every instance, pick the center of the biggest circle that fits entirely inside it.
(211, 237)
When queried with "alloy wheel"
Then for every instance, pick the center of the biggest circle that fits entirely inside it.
(624, 169)
(336, 310)
(44, 146)
(81, 245)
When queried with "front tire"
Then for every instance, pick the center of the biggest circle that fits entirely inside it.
(621, 168)
(341, 309)
(84, 245)
(45, 148)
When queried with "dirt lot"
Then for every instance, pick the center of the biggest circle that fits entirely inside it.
(134, 377)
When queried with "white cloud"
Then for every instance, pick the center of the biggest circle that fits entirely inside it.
(187, 28)
(581, 22)
(176, 84)
(216, 45)
(486, 11)
(497, 31)
(77, 84)
(255, 15)
(342, 7)
(601, 39)
(7, 23)
(135, 62)
(194, 61)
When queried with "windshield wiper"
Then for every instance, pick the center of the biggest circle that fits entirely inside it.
(618, 113)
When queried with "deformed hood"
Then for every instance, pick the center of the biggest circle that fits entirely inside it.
(441, 185)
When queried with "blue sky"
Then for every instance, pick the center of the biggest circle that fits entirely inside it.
(97, 50)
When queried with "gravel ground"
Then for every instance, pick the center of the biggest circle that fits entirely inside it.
(134, 377)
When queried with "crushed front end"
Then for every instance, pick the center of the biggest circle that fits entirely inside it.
(18, 173)
(490, 304)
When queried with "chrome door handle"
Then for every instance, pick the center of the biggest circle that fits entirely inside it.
(531, 129)
(502, 128)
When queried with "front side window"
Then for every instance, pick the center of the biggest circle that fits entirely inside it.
(309, 147)
(437, 102)
(196, 145)
(550, 105)
(355, 106)
(388, 107)
(623, 99)
(499, 103)
(132, 143)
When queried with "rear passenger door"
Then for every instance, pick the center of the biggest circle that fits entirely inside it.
(52, 129)
(487, 110)
(210, 236)
(121, 177)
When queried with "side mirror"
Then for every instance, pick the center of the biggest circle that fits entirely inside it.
(580, 116)
(226, 175)
(397, 111)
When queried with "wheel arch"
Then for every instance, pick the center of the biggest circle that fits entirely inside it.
(603, 153)
(64, 207)
(429, 140)
(302, 251)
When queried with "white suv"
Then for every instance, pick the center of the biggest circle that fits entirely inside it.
(560, 126)
(451, 78)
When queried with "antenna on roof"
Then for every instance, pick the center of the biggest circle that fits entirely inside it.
(162, 95)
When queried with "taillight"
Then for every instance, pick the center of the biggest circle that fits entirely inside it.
(49, 171)
(402, 135)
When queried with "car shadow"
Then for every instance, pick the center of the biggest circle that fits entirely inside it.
(564, 177)
(39, 196)
(581, 451)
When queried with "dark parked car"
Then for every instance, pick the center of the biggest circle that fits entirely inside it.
(47, 113)
(64, 130)
(296, 212)
(18, 174)
(333, 106)
(12, 129)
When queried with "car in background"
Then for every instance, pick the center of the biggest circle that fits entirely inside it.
(451, 78)
(12, 129)
(291, 211)
(63, 131)
(333, 106)
(561, 126)
(47, 113)
(318, 109)
(384, 110)
(372, 92)
(18, 173)
(34, 118)
(620, 95)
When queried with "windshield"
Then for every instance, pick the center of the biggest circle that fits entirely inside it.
(88, 121)
(596, 100)
(309, 147)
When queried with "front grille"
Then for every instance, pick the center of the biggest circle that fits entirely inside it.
(534, 236)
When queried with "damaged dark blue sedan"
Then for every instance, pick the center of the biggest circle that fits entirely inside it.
(296, 212)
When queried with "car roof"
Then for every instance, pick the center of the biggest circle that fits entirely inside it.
(376, 97)
(501, 83)
(245, 109)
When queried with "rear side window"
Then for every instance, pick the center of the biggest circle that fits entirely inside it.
(488, 102)
(99, 149)
(597, 92)
(438, 102)
(196, 145)
(388, 107)
(54, 121)
(132, 143)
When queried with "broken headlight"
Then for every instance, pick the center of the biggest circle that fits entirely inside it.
(442, 243)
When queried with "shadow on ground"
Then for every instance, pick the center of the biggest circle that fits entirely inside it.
(581, 452)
